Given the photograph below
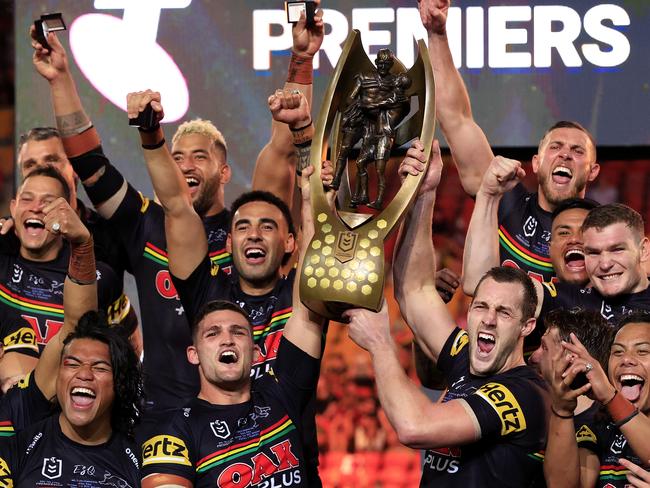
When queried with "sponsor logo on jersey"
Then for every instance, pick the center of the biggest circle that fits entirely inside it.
(506, 406)
(220, 429)
(461, 340)
(23, 338)
(52, 468)
(118, 310)
(145, 203)
(262, 466)
(551, 288)
(444, 459)
(5, 475)
(165, 449)
(585, 434)
(267, 438)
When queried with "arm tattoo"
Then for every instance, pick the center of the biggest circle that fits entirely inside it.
(302, 153)
(73, 124)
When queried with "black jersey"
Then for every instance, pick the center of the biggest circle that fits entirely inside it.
(598, 434)
(42, 456)
(256, 443)
(21, 406)
(510, 408)
(107, 249)
(612, 309)
(32, 291)
(170, 380)
(267, 313)
(524, 234)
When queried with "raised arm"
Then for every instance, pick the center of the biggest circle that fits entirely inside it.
(565, 464)
(305, 328)
(634, 424)
(414, 262)
(276, 164)
(104, 185)
(79, 289)
(187, 244)
(482, 240)
(419, 423)
(466, 139)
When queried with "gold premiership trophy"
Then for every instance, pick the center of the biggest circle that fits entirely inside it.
(344, 264)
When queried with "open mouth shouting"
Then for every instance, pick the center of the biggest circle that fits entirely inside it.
(486, 343)
(228, 357)
(82, 397)
(562, 175)
(574, 259)
(631, 386)
(193, 182)
(255, 255)
(34, 226)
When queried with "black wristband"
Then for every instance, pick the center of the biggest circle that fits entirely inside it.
(301, 128)
(150, 147)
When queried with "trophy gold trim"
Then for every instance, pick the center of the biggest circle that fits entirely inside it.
(344, 264)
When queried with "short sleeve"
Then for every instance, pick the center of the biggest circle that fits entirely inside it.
(504, 408)
(22, 406)
(205, 283)
(166, 445)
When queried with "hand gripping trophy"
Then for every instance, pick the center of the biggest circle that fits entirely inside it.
(344, 265)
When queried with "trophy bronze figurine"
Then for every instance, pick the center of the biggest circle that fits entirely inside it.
(375, 106)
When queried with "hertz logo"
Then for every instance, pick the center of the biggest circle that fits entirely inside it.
(461, 340)
(585, 434)
(165, 449)
(145, 203)
(5, 475)
(23, 337)
(506, 405)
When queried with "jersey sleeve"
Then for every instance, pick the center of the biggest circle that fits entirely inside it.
(23, 405)
(505, 407)
(511, 200)
(297, 373)
(8, 462)
(135, 217)
(167, 446)
(111, 298)
(453, 360)
(203, 285)
(587, 430)
(17, 335)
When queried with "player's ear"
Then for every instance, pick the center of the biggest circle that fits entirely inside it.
(257, 352)
(229, 243)
(528, 327)
(192, 355)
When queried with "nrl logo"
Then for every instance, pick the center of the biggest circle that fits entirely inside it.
(220, 429)
(52, 468)
(345, 246)
(530, 227)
